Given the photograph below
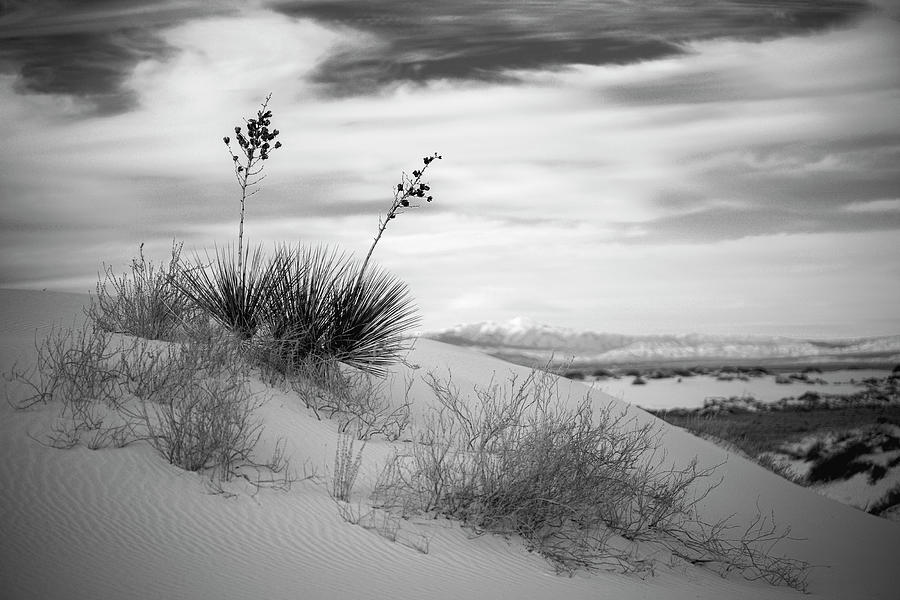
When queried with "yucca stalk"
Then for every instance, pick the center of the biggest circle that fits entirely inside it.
(255, 148)
(407, 191)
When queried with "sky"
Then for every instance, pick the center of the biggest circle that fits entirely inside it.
(664, 166)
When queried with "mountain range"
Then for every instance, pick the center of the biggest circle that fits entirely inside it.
(523, 340)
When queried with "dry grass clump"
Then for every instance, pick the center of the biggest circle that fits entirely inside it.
(389, 524)
(207, 424)
(79, 369)
(189, 400)
(148, 302)
(72, 365)
(346, 467)
(200, 413)
(358, 401)
(586, 489)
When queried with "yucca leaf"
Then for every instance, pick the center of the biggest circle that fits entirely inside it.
(237, 298)
(321, 308)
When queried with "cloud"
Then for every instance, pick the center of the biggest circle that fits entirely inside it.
(704, 190)
(87, 50)
(875, 206)
(751, 141)
(489, 40)
(799, 284)
(89, 67)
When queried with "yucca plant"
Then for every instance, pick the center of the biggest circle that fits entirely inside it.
(322, 308)
(298, 313)
(235, 290)
(371, 314)
(314, 304)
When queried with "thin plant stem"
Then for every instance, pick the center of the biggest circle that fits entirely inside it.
(255, 148)
(407, 189)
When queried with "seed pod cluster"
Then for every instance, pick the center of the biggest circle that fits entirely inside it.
(256, 144)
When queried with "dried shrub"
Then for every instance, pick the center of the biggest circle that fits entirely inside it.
(195, 407)
(358, 401)
(72, 365)
(190, 400)
(208, 422)
(148, 302)
(583, 488)
(346, 467)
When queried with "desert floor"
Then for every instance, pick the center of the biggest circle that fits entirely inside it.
(123, 523)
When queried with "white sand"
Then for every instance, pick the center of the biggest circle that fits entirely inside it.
(121, 523)
(691, 392)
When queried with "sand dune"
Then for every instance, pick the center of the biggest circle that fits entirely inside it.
(121, 523)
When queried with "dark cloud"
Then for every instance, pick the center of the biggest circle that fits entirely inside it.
(485, 39)
(86, 48)
(90, 66)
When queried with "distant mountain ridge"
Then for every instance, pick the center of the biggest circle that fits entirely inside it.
(527, 339)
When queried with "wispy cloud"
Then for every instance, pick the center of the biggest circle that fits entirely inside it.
(875, 206)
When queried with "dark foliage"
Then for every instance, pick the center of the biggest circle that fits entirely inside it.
(298, 315)
(234, 292)
(324, 308)
(840, 465)
(887, 502)
(371, 313)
